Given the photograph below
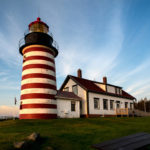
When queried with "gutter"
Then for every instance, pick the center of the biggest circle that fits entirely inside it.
(67, 98)
(87, 97)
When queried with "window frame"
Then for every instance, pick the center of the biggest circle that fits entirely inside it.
(95, 99)
(76, 87)
(118, 91)
(106, 104)
(131, 105)
(67, 89)
(112, 104)
(118, 102)
(73, 106)
(126, 105)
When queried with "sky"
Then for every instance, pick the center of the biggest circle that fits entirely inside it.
(102, 37)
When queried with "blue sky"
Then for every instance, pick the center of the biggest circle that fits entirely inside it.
(102, 37)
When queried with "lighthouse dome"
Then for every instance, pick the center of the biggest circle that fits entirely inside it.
(38, 26)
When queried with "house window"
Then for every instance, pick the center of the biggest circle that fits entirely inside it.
(96, 103)
(118, 104)
(75, 89)
(118, 91)
(66, 89)
(111, 104)
(126, 104)
(105, 104)
(73, 106)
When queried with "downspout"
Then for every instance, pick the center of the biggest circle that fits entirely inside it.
(87, 97)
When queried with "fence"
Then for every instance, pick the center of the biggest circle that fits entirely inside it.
(122, 111)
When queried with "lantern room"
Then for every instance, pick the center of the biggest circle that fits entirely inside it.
(38, 26)
(38, 34)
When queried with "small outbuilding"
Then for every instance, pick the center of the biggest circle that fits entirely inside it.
(68, 105)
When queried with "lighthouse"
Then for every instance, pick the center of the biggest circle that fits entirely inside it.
(38, 85)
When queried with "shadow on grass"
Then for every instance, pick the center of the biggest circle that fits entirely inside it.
(37, 145)
(147, 147)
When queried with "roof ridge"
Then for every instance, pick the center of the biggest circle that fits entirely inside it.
(90, 85)
(96, 81)
(88, 81)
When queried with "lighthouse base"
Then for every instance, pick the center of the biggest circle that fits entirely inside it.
(38, 116)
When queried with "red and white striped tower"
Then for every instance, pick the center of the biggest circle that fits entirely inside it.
(38, 86)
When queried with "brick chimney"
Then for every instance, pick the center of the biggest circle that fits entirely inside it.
(79, 73)
(105, 80)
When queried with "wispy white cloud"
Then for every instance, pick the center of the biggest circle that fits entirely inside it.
(139, 69)
(7, 81)
(137, 85)
(122, 78)
(142, 91)
(97, 60)
(136, 82)
(10, 59)
(9, 110)
(9, 41)
(75, 33)
(3, 73)
(10, 87)
(140, 88)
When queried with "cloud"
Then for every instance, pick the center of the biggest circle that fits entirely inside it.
(142, 91)
(96, 60)
(10, 86)
(7, 81)
(3, 73)
(135, 80)
(9, 110)
(9, 41)
(131, 73)
(10, 58)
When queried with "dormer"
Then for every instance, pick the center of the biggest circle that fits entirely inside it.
(108, 87)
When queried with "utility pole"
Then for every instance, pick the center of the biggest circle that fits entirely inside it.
(15, 102)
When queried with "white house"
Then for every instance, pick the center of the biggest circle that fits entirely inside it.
(96, 98)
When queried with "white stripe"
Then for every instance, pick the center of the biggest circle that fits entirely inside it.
(39, 46)
(38, 111)
(38, 101)
(38, 70)
(38, 62)
(38, 53)
(38, 80)
(38, 90)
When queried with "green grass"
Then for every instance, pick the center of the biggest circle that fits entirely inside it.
(70, 134)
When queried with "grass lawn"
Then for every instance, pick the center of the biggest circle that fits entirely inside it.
(70, 134)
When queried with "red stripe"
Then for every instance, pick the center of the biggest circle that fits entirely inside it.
(38, 116)
(39, 58)
(39, 75)
(37, 95)
(38, 85)
(38, 66)
(24, 106)
(33, 49)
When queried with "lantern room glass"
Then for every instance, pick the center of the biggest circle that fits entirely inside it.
(38, 27)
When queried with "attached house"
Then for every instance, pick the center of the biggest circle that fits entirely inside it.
(97, 98)
(68, 105)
